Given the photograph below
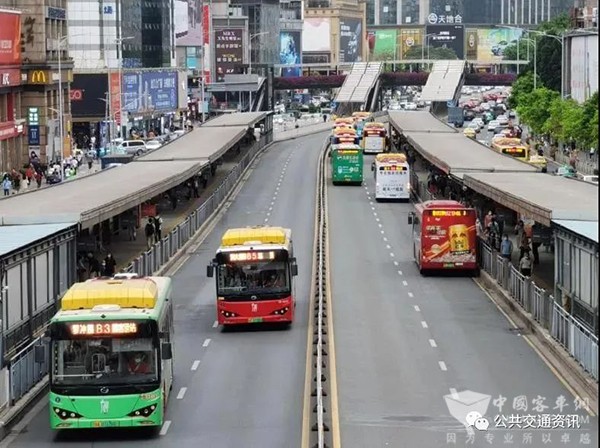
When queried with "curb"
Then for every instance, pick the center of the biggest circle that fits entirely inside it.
(15, 414)
(548, 349)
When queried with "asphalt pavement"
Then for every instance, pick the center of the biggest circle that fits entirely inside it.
(404, 342)
(240, 388)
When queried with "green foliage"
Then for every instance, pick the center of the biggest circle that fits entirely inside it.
(433, 53)
(534, 108)
(521, 51)
(522, 86)
(565, 120)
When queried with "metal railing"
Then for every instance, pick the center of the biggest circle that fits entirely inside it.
(581, 343)
(25, 373)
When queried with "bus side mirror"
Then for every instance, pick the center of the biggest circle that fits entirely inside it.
(294, 270)
(209, 270)
(410, 218)
(166, 351)
(39, 354)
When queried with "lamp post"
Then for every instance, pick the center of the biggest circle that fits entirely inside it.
(425, 44)
(534, 60)
(61, 99)
(119, 44)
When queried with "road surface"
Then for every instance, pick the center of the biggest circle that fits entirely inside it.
(247, 387)
(403, 341)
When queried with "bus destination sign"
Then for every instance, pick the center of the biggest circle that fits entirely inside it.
(252, 256)
(102, 328)
(441, 213)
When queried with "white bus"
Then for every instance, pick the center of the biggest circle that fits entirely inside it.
(374, 138)
(392, 177)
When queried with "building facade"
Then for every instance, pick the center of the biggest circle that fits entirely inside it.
(334, 32)
(12, 151)
(473, 12)
(585, 14)
(46, 74)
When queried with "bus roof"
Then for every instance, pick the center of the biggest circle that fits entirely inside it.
(374, 124)
(114, 298)
(507, 141)
(344, 130)
(346, 146)
(391, 158)
(256, 236)
(443, 204)
(341, 120)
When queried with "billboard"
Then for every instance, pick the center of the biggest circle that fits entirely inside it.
(229, 51)
(160, 90)
(447, 36)
(584, 67)
(316, 34)
(383, 45)
(207, 42)
(114, 86)
(188, 23)
(10, 38)
(132, 92)
(409, 38)
(290, 52)
(93, 88)
(351, 40)
(488, 44)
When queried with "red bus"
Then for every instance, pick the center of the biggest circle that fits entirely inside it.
(255, 267)
(444, 235)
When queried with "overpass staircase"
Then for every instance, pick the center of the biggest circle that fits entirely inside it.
(360, 90)
(444, 85)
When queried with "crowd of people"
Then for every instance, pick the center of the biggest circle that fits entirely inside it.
(88, 266)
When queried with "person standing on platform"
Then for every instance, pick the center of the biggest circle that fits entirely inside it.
(149, 231)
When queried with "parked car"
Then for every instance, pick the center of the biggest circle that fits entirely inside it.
(136, 147)
(153, 144)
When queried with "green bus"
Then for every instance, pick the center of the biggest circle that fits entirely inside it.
(346, 164)
(111, 354)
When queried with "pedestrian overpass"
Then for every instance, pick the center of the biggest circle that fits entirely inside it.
(361, 88)
(444, 84)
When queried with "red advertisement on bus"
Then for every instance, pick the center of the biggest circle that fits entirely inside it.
(445, 236)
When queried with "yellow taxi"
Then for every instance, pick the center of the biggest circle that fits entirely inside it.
(469, 132)
(539, 161)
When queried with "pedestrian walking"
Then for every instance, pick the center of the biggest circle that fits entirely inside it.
(149, 232)
(525, 265)
(506, 248)
(6, 185)
(158, 227)
(108, 266)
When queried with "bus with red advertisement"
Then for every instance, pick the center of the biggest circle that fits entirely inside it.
(255, 267)
(444, 235)
(374, 138)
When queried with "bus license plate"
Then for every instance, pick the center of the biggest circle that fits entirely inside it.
(104, 424)
(255, 320)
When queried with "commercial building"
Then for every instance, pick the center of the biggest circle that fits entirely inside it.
(46, 73)
(473, 12)
(12, 153)
(334, 32)
(581, 60)
(585, 14)
(124, 41)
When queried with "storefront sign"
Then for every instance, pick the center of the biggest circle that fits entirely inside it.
(229, 52)
(56, 13)
(10, 37)
(39, 77)
(10, 77)
(443, 19)
(76, 95)
(33, 116)
(33, 135)
(8, 130)
(114, 85)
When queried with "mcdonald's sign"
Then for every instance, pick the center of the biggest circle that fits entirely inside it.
(39, 77)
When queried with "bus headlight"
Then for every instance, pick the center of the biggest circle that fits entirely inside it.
(64, 414)
(228, 314)
(408, 186)
(143, 412)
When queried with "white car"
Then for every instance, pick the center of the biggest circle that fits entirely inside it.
(410, 106)
(153, 144)
(479, 122)
(492, 125)
(473, 125)
(502, 120)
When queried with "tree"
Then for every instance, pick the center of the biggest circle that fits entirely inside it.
(522, 86)
(565, 121)
(534, 108)
(436, 53)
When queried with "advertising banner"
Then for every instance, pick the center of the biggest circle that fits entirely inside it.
(471, 39)
(450, 237)
(383, 45)
(410, 38)
(160, 90)
(490, 43)
(33, 135)
(229, 52)
(188, 23)
(90, 89)
(10, 38)
(114, 86)
(447, 36)
(290, 52)
(10, 77)
(316, 34)
(351, 40)
(584, 67)
(132, 92)
(207, 43)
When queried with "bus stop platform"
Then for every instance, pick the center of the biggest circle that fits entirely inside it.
(418, 121)
(108, 193)
(542, 197)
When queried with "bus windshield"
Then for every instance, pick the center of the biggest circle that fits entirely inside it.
(243, 278)
(104, 361)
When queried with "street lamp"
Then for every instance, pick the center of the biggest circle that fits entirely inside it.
(533, 41)
(425, 43)
(119, 43)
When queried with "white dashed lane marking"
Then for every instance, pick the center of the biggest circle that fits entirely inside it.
(404, 282)
(181, 393)
(195, 365)
(417, 309)
(442, 365)
(424, 324)
(410, 294)
(165, 428)
(432, 343)
(206, 342)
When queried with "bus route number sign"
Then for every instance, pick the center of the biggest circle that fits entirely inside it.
(441, 213)
(103, 328)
